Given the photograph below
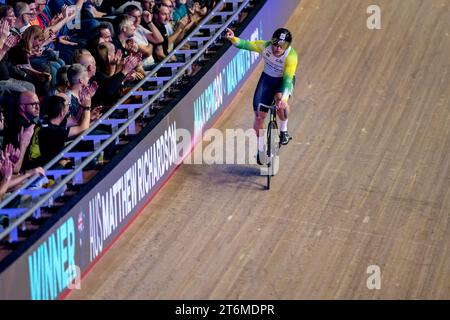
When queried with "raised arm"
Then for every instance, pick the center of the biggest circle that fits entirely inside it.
(256, 46)
(67, 15)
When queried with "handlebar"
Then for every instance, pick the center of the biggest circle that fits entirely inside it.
(272, 107)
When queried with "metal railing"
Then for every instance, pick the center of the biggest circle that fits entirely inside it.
(61, 184)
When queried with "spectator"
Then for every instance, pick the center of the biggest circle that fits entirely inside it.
(85, 58)
(78, 30)
(6, 172)
(172, 36)
(8, 159)
(181, 10)
(43, 16)
(168, 4)
(103, 33)
(124, 38)
(24, 15)
(20, 56)
(7, 12)
(144, 38)
(112, 73)
(54, 23)
(90, 10)
(56, 6)
(78, 78)
(109, 60)
(8, 85)
(106, 91)
(200, 7)
(62, 83)
(54, 129)
(147, 5)
(22, 124)
(61, 86)
(26, 115)
(43, 13)
(33, 9)
(125, 30)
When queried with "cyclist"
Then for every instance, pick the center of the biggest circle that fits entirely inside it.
(276, 82)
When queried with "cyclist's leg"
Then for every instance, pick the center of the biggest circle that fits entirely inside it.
(264, 93)
(284, 134)
(283, 116)
(258, 125)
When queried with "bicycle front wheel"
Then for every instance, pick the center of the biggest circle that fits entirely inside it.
(273, 145)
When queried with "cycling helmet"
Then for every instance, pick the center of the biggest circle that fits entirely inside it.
(282, 37)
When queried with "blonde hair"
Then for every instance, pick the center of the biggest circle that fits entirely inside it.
(31, 33)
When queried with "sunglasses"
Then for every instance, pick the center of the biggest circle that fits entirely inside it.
(280, 43)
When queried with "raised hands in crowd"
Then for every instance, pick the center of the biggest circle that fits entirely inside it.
(86, 94)
(147, 16)
(6, 172)
(5, 30)
(8, 159)
(11, 153)
(132, 46)
(131, 62)
(37, 53)
(130, 65)
(25, 135)
(118, 57)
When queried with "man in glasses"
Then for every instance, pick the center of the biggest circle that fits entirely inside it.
(21, 119)
(24, 15)
(25, 115)
(276, 82)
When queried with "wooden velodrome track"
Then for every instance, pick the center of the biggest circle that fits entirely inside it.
(365, 182)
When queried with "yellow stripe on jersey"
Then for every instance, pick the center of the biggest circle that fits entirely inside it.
(289, 72)
(256, 46)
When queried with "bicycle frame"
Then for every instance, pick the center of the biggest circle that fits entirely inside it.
(272, 133)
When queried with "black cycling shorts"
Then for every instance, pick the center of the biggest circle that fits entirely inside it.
(265, 91)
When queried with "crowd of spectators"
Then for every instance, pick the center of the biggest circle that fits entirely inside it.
(65, 62)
